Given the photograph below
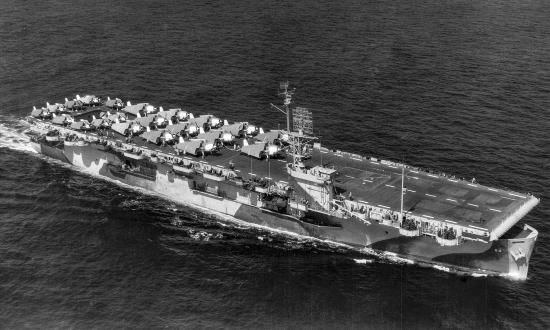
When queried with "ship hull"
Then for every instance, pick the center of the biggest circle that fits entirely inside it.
(509, 256)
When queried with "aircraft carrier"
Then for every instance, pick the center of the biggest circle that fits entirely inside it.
(286, 180)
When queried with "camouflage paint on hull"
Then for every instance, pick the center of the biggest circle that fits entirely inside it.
(496, 257)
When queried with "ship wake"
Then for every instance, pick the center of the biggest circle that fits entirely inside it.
(12, 135)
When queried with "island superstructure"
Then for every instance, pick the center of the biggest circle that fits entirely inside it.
(286, 180)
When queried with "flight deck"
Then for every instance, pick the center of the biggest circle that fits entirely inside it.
(426, 194)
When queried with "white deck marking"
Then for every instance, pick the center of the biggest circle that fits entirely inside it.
(427, 216)
(283, 181)
(392, 166)
(252, 174)
(384, 206)
(413, 171)
(389, 185)
(376, 163)
(450, 200)
(495, 210)
(414, 177)
(349, 176)
(324, 152)
(430, 195)
(452, 180)
(474, 205)
(472, 185)
(433, 176)
(237, 170)
(411, 190)
(367, 180)
(450, 221)
(492, 189)
(513, 199)
(515, 195)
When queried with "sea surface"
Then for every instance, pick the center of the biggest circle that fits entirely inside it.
(459, 86)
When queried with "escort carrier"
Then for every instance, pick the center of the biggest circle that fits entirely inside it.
(285, 180)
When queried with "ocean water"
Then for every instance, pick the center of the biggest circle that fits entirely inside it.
(456, 85)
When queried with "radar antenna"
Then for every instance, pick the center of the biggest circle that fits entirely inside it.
(302, 121)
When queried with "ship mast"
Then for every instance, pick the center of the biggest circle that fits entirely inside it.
(287, 99)
(402, 192)
(403, 189)
(301, 134)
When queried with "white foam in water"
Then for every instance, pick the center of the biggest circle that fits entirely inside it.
(394, 258)
(513, 276)
(15, 139)
(479, 275)
(442, 268)
(204, 236)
